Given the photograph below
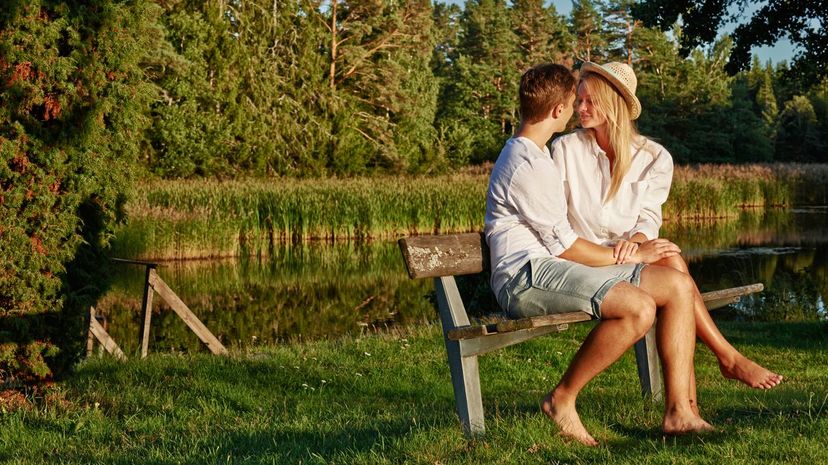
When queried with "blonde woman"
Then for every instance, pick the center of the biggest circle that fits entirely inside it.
(616, 180)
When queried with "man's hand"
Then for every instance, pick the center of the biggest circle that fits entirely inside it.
(654, 250)
(624, 250)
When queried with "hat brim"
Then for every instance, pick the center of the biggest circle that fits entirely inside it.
(633, 104)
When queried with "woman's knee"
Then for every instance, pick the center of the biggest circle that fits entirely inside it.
(675, 262)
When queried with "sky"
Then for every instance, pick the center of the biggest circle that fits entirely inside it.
(783, 50)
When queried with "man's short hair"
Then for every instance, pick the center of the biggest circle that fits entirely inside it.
(543, 87)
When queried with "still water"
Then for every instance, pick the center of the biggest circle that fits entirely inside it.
(314, 291)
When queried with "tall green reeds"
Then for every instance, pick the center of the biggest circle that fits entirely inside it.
(209, 218)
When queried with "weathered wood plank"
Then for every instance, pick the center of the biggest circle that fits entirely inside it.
(135, 262)
(146, 312)
(444, 255)
(732, 292)
(103, 337)
(543, 320)
(719, 303)
(189, 318)
(482, 345)
(90, 337)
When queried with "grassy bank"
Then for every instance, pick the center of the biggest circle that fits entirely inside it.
(206, 218)
(388, 399)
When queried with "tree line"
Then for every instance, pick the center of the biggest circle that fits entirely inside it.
(306, 88)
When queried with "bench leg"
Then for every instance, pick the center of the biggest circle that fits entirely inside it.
(465, 377)
(649, 367)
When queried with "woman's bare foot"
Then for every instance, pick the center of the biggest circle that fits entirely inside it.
(750, 373)
(567, 419)
(686, 422)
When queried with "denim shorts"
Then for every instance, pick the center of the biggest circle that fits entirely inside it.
(550, 285)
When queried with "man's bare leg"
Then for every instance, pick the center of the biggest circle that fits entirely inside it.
(627, 314)
(672, 292)
(732, 363)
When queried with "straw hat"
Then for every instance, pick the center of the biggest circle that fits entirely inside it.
(622, 77)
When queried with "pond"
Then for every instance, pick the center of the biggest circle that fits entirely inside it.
(324, 290)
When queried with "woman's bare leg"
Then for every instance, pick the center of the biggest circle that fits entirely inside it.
(732, 363)
(672, 292)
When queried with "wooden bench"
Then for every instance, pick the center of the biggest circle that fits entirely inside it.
(443, 257)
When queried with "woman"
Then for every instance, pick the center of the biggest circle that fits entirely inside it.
(616, 181)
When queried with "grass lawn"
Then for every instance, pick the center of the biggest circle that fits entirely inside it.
(388, 399)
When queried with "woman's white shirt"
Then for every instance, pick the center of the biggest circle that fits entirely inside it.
(636, 207)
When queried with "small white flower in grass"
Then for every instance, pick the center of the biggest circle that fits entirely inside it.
(559, 353)
(367, 354)
(304, 385)
(359, 374)
(323, 381)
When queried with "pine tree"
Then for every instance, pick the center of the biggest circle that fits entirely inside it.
(620, 30)
(798, 138)
(381, 77)
(542, 34)
(590, 44)
(479, 101)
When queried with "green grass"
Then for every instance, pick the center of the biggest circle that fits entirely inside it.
(209, 218)
(387, 399)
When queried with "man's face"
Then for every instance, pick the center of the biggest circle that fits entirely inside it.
(566, 113)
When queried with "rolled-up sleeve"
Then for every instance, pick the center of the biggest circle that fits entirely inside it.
(659, 178)
(536, 191)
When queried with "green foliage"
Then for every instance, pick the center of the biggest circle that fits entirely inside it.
(72, 108)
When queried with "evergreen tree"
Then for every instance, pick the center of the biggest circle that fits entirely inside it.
(590, 44)
(479, 101)
(381, 77)
(542, 34)
(798, 138)
(72, 114)
(242, 89)
(620, 30)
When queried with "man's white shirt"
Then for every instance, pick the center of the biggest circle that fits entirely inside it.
(526, 214)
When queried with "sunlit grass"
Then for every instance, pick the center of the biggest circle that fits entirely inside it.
(388, 399)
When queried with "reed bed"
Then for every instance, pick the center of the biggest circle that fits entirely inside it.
(210, 218)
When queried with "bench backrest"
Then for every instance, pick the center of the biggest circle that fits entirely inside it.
(445, 255)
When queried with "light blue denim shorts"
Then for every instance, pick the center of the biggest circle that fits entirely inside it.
(549, 285)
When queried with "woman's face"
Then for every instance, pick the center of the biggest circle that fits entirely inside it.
(587, 114)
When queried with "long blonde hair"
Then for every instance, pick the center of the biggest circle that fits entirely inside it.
(621, 130)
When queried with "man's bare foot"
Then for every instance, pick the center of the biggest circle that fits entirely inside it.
(567, 419)
(750, 373)
(685, 423)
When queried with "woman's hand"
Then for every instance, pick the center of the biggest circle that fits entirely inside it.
(654, 250)
(624, 250)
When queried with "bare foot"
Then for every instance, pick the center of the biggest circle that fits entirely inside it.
(676, 424)
(567, 419)
(750, 373)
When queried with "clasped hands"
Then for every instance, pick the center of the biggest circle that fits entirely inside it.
(645, 252)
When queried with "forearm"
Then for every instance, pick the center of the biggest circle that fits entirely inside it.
(588, 253)
(639, 237)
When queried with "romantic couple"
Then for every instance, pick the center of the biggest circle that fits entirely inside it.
(577, 229)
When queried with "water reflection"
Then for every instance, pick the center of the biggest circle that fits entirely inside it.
(323, 290)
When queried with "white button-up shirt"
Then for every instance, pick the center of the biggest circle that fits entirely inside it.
(636, 207)
(525, 210)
